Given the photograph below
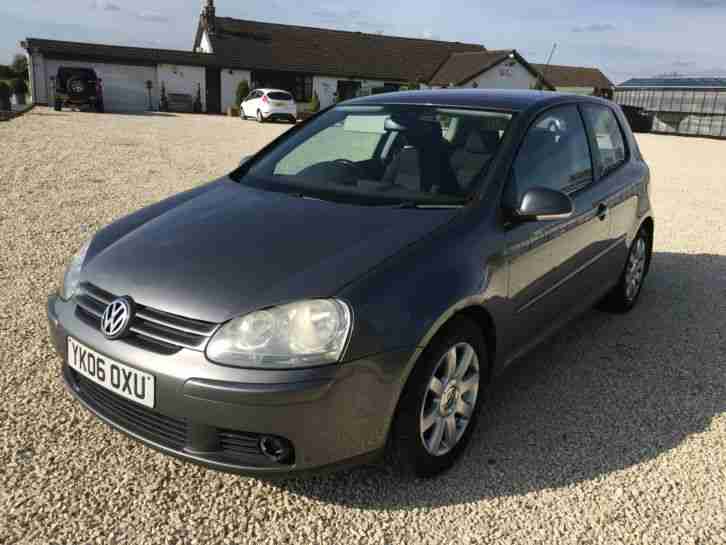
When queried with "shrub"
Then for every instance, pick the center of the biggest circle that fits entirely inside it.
(243, 89)
(316, 102)
(410, 86)
(4, 96)
(20, 87)
(6, 72)
(20, 66)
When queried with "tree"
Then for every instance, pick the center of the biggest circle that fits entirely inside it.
(316, 103)
(243, 89)
(4, 96)
(20, 66)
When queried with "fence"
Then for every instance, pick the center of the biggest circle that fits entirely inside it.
(685, 111)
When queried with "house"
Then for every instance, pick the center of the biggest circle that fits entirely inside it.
(500, 69)
(332, 64)
(576, 79)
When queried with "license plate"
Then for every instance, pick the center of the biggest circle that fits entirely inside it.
(279, 103)
(112, 375)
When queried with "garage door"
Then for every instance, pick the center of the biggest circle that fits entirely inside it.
(124, 87)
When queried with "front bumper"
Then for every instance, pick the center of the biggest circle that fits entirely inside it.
(212, 414)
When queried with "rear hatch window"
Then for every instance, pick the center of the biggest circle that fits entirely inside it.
(279, 95)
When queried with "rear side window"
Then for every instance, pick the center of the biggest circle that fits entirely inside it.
(554, 154)
(608, 138)
(279, 95)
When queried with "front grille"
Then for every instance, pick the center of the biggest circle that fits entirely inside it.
(154, 426)
(235, 443)
(152, 329)
(179, 434)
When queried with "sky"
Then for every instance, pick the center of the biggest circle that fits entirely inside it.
(623, 38)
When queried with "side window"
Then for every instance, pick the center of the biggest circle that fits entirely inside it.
(608, 138)
(554, 154)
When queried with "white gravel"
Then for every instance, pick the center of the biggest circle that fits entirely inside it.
(613, 432)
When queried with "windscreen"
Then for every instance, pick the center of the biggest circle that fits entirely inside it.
(279, 95)
(384, 154)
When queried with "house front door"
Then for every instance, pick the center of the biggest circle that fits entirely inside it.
(214, 91)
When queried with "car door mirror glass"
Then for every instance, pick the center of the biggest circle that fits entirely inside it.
(544, 204)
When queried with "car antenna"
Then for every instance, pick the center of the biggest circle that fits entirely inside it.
(549, 60)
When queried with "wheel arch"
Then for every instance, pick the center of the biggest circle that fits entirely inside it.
(473, 312)
(649, 225)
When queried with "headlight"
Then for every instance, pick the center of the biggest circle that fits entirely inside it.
(72, 276)
(303, 334)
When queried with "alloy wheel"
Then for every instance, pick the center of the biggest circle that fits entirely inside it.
(450, 399)
(635, 269)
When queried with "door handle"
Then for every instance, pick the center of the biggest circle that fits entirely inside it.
(602, 211)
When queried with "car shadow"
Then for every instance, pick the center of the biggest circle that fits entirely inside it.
(140, 114)
(606, 393)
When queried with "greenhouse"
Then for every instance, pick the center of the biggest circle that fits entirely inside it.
(687, 106)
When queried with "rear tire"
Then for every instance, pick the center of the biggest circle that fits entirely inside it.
(624, 296)
(260, 117)
(438, 409)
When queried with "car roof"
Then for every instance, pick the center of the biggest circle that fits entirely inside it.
(497, 99)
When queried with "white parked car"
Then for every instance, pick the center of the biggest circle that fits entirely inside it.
(264, 104)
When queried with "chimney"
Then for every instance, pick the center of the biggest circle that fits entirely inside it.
(209, 16)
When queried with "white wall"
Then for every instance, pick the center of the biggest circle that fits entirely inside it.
(230, 80)
(509, 74)
(326, 87)
(183, 79)
(124, 87)
(39, 83)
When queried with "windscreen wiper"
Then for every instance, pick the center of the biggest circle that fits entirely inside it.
(411, 204)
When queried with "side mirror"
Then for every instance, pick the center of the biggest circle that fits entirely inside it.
(544, 204)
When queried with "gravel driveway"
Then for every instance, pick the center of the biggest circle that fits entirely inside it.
(612, 432)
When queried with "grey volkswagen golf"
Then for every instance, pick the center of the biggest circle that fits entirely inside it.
(351, 290)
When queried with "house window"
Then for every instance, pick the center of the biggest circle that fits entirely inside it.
(303, 88)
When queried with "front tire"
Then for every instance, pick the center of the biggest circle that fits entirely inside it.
(438, 409)
(625, 294)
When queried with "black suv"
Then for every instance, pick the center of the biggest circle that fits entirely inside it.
(78, 87)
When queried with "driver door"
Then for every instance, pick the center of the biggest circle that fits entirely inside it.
(550, 261)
